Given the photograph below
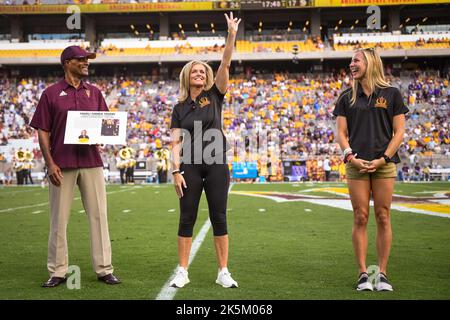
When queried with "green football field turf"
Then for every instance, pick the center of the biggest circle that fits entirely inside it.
(278, 250)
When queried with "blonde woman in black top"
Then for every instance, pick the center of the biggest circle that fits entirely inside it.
(371, 126)
(198, 161)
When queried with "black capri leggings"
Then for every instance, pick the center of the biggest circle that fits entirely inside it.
(215, 179)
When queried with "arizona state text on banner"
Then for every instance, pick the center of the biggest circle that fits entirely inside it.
(204, 6)
(98, 8)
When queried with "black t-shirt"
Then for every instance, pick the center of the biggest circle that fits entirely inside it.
(370, 120)
(204, 113)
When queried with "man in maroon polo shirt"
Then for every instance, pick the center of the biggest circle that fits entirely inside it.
(69, 165)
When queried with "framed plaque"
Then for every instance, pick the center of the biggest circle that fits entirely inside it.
(96, 127)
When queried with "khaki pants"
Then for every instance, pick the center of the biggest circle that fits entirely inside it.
(91, 183)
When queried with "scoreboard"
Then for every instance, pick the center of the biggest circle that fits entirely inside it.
(297, 4)
(275, 4)
(262, 4)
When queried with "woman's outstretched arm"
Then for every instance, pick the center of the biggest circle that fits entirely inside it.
(223, 73)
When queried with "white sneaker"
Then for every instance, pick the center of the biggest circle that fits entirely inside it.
(225, 280)
(364, 283)
(181, 278)
(382, 283)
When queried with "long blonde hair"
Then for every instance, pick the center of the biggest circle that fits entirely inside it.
(185, 78)
(374, 73)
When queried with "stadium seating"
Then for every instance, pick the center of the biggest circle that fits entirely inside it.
(37, 48)
(244, 46)
(386, 41)
(204, 45)
(130, 47)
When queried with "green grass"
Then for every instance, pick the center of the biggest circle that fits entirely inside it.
(283, 252)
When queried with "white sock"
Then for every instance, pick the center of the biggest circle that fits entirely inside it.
(224, 269)
(182, 268)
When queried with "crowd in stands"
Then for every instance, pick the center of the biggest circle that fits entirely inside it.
(276, 35)
(422, 42)
(427, 132)
(297, 108)
(183, 49)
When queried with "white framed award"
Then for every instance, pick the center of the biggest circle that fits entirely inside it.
(96, 127)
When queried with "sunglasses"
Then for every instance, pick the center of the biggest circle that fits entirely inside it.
(371, 49)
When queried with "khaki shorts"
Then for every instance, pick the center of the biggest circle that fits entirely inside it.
(389, 170)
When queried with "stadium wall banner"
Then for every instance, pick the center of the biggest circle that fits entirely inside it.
(295, 4)
(205, 6)
(364, 3)
(107, 8)
(244, 170)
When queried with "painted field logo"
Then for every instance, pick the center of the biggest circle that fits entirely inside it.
(337, 197)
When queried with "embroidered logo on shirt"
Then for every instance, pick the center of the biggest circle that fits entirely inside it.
(381, 103)
(63, 93)
(204, 102)
(88, 93)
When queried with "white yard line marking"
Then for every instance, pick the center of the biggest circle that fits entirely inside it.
(46, 203)
(13, 192)
(167, 292)
(24, 207)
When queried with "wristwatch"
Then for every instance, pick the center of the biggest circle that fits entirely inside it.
(386, 158)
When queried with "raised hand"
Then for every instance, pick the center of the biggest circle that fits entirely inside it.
(232, 23)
